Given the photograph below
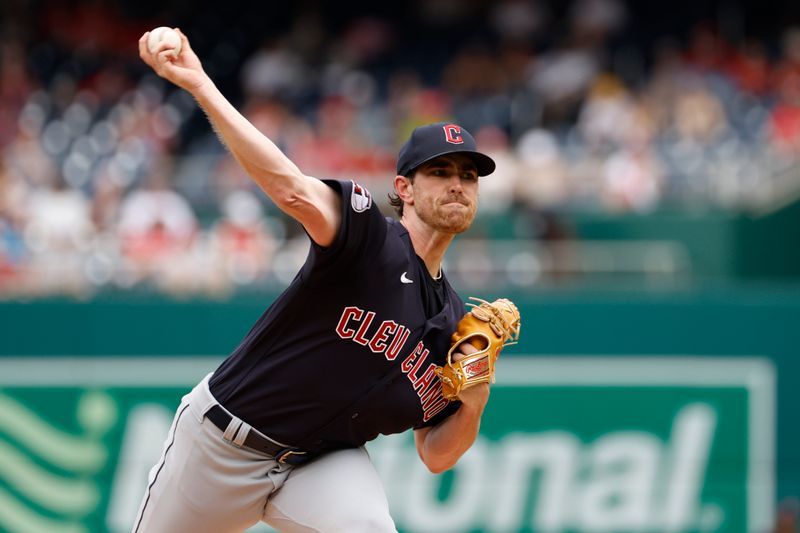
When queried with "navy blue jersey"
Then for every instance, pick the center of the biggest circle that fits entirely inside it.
(348, 350)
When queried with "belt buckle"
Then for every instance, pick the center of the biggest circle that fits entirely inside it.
(286, 454)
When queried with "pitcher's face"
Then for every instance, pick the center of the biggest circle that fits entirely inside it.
(446, 193)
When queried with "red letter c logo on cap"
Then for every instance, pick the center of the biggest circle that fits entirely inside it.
(452, 134)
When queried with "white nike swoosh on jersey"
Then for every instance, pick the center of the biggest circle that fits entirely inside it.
(404, 279)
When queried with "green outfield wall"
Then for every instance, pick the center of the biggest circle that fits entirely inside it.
(618, 411)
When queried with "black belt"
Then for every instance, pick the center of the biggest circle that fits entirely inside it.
(283, 454)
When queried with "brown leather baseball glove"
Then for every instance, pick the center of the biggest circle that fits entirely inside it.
(488, 327)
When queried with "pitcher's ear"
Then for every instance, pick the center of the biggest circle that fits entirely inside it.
(404, 188)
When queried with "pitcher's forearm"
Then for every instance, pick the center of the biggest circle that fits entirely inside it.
(444, 444)
(275, 173)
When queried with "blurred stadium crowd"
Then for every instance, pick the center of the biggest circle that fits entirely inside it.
(110, 178)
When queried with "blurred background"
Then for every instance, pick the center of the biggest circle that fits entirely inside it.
(645, 215)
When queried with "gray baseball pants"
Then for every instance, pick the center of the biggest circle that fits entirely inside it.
(204, 483)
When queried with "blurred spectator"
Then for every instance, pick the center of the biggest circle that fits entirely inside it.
(785, 118)
(666, 82)
(632, 179)
(242, 242)
(411, 104)
(707, 51)
(276, 71)
(497, 191)
(157, 229)
(13, 251)
(785, 127)
(338, 147)
(372, 117)
(749, 68)
(519, 20)
(543, 178)
(364, 40)
(477, 86)
(561, 78)
(606, 114)
(15, 87)
(594, 21)
(613, 123)
(58, 231)
(699, 116)
(27, 160)
(12, 256)
(90, 27)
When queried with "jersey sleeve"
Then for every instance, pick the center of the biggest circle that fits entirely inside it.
(451, 408)
(361, 234)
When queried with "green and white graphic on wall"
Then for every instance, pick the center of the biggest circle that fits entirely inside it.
(567, 444)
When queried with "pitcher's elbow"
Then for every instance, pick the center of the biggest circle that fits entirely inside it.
(437, 466)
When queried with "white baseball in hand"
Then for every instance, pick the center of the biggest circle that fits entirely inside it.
(164, 34)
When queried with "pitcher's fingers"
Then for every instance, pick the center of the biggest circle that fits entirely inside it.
(467, 348)
(464, 349)
(166, 56)
(144, 53)
(184, 40)
(164, 45)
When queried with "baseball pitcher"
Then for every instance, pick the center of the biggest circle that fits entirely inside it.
(369, 338)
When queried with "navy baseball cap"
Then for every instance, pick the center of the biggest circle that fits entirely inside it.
(433, 140)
